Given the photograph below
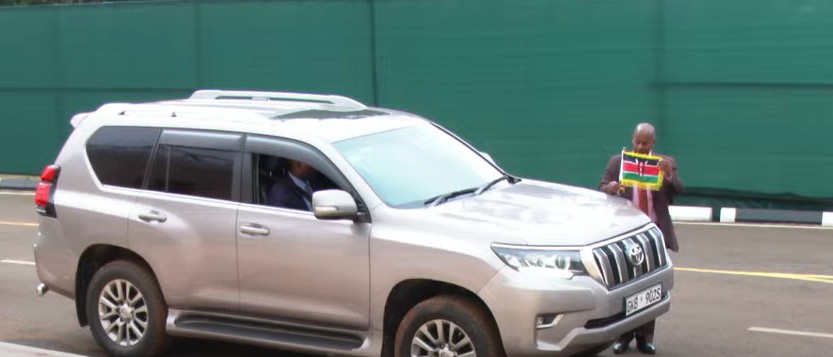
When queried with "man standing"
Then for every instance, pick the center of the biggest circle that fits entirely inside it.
(655, 205)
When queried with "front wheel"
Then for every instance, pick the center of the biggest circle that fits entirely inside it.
(448, 326)
(126, 311)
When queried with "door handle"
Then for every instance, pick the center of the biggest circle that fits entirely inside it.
(254, 230)
(153, 216)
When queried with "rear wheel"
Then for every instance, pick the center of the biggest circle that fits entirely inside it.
(126, 311)
(448, 326)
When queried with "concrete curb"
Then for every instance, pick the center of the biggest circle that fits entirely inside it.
(757, 215)
(691, 213)
(12, 350)
(18, 183)
(750, 215)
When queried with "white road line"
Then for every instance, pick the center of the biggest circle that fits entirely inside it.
(789, 332)
(17, 193)
(10, 349)
(23, 224)
(753, 225)
(18, 262)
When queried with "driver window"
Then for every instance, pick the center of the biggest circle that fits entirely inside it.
(286, 183)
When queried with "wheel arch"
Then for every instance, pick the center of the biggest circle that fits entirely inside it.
(93, 258)
(408, 293)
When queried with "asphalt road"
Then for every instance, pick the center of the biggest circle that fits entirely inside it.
(739, 291)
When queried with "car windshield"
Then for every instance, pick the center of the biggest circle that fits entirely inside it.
(408, 166)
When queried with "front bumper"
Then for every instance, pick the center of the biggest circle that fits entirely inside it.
(586, 314)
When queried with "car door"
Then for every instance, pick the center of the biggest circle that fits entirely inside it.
(184, 223)
(291, 265)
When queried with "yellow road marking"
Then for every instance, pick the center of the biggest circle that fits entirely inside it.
(754, 225)
(24, 224)
(803, 277)
(790, 332)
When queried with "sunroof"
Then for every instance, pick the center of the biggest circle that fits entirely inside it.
(265, 99)
(331, 114)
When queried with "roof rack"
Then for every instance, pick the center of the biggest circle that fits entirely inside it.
(162, 110)
(333, 100)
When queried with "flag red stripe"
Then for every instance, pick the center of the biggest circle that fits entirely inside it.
(632, 167)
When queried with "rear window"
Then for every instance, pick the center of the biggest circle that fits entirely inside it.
(119, 155)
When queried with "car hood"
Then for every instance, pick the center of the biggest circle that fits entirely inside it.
(542, 213)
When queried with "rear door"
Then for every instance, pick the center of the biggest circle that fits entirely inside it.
(184, 223)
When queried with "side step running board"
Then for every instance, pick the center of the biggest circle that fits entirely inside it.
(259, 332)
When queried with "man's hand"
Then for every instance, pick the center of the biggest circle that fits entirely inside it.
(612, 187)
(667, 166)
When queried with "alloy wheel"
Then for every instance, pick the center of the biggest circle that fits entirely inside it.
(441, 338)
(123, 312)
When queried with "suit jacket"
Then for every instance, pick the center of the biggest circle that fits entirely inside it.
(285, 193)
(661, 199)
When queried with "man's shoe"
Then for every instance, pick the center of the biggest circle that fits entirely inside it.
(647, 348)
(619, 348)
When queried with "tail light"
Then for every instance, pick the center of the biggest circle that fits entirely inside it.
(46, 189)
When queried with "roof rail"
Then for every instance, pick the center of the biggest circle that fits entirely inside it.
(162, 110)
(334, 100)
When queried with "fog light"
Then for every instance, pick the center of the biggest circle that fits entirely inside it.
(546, 321)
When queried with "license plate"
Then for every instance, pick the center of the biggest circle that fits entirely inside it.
(643, 299)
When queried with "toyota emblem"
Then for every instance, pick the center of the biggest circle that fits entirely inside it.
(636, 255)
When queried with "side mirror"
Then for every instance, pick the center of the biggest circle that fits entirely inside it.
(333, 205)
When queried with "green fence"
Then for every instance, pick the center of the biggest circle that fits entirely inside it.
(741, 91)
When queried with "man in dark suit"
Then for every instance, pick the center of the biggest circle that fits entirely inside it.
(655, 205)
(293, 190)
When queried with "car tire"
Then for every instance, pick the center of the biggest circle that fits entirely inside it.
(444, 324)
(126, 311)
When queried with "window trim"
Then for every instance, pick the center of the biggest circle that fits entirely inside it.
(95, 175)
(258, 144)
(199, 139)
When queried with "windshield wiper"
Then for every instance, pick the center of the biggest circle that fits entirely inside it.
(433, 201)
(489, 185)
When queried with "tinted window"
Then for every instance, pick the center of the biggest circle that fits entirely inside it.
(193, 171)
(119, 155)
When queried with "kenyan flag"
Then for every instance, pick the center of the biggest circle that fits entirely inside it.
(640, 170)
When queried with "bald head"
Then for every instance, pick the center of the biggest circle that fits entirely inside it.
(645, 128)
(644, 137)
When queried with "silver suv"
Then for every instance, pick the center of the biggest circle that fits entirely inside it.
(317, 224)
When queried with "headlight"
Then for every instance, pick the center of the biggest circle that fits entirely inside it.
(562, 262)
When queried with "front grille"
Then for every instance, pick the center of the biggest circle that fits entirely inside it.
(615, 264)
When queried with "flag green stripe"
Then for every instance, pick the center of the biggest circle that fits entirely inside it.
(643, 179)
